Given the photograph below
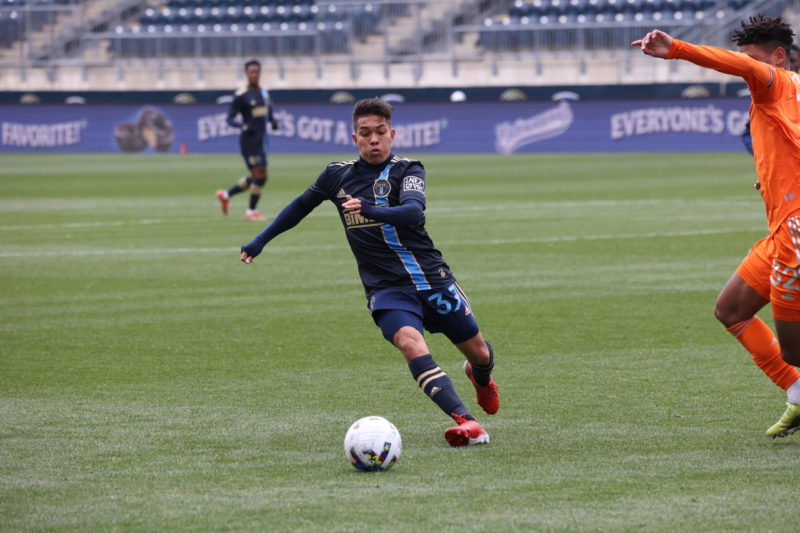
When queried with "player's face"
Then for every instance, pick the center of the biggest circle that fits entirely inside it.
(373, 136)
(775, 58)
(253, 74)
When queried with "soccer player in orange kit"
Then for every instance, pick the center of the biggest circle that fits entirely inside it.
(771, 270)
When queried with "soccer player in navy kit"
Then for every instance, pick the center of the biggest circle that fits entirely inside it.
(381, 202)
(254, 105)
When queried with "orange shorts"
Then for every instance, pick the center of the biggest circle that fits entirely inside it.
(771, 269)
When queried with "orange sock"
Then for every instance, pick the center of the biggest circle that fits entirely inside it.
(759, 340)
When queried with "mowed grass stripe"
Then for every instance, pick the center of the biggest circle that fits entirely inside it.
(320, 247)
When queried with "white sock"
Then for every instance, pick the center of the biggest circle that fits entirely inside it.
(793, 393)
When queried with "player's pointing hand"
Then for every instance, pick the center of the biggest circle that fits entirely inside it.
(656, 44)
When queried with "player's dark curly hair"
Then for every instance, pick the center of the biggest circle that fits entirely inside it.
(255, 62)
(765, 31)
(372, 106)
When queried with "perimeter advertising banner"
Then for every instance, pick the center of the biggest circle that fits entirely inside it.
(565, 126)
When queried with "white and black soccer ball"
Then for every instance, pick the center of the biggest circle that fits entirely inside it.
(372, 443)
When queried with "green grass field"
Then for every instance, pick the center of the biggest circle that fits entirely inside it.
(149, 381)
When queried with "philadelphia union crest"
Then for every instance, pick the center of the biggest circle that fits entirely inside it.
(381, 188)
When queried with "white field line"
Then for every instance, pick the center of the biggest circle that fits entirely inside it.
(78, 225)
(289, 249)
(617, 236)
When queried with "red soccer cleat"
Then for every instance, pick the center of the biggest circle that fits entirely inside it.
(255, 215)
(466, 433)
(224, 200)
(488, 396)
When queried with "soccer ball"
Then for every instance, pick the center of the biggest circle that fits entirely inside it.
(372, 443)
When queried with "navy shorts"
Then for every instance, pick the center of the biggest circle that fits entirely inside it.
(254, 159)
(253, 153)
(444, 310)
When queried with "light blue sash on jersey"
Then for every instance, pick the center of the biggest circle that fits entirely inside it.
(381, 189)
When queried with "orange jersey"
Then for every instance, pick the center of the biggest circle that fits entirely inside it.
(774, 122)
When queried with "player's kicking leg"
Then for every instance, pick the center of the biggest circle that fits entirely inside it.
(404, 330)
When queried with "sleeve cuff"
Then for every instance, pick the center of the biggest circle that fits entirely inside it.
(677, 44)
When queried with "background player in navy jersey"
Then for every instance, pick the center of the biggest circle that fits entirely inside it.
(254, 105)
(409, 288)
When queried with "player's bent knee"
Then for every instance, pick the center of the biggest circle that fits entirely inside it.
(410, 341)
(259, 173)
(723, 314)
(244, 182)
(730, 315)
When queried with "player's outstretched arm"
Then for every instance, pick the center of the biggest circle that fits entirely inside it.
(289, 217)
(757, 74)
(656, 43)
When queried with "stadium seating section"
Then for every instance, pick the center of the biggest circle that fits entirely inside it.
(13, 26)
(559, 23)
(225, 28)
(233, 27)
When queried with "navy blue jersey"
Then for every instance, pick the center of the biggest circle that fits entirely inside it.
(387, 256)
(255, 108)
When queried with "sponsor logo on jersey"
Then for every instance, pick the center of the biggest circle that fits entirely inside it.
(352, 221)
